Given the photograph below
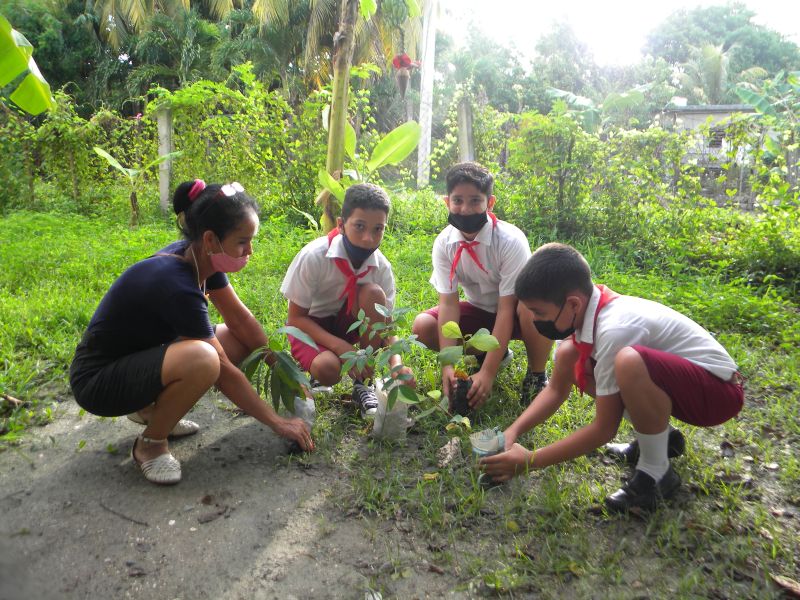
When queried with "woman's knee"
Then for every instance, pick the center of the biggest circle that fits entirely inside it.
(195, 359)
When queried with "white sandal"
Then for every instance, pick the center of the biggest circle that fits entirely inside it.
(163, 469)
(183, 428)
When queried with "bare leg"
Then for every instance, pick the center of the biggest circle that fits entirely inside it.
(426, 328)
(326, 368)
(235, 349)
(537, 346)
(190, 369)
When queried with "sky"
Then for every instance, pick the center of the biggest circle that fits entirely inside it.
(614, 30)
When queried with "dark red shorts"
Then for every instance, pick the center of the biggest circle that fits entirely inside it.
(698, 397)
(337, 324)
(474, 318)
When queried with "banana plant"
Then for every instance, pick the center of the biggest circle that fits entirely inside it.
(392, 149)
(134, 174)
(32, 93)
(273, 366)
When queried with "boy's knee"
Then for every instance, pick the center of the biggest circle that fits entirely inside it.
(370, 294)
(326, 369)
(628, 363)
(425, 327)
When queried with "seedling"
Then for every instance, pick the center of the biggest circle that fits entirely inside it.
(272, 365)
(462, 361)
(376, 358)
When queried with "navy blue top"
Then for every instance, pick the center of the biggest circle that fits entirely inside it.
(153, 302)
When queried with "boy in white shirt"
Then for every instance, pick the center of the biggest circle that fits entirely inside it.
(634, 356)
(334, 277)
(483, 255)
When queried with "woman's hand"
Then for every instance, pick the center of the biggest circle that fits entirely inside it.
(297, 430)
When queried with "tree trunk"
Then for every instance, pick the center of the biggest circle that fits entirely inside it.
(342, 60)
(164, 120)
(466, 145)
(426, 92)
(134, 209)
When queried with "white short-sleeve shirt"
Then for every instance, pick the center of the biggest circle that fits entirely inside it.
(313, 280)
(502, 250)
(629, 320)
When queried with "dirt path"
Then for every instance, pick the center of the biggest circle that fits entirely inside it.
(247, 521)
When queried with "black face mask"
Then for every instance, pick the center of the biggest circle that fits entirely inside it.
(468, 223)
(356, 254)
(548, 328)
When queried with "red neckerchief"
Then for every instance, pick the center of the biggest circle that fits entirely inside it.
(352, 279)
(585, 348)
(469, 247)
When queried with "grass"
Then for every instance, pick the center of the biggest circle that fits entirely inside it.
(545, 534)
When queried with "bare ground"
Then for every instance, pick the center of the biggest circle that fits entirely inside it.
(77, 520)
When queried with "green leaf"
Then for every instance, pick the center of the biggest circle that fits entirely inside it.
(407, 394)
(330, 184)
(760, 102)
(349, 140)
(250, 364)
(772, 145)
(289, 371)
(129, 173)
(395, 146)
(275, 389)
(413, 9)
(162, 158)
(484, 342)
(450, 355)
(452, 331)
(355, 325)
(368, 8)
(299, 334)
(33, 94)
(391, 397)
(435, 394)
(382, 310)
(15, 51)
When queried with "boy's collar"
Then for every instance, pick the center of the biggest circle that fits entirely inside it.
(337, 250)
(484, 234)
(585, 333)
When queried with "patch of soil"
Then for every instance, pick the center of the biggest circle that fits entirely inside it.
(78, 520)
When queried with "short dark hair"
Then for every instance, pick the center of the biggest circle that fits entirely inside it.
(366, 196)
(210, 209)
(552, 273)
(470, 172)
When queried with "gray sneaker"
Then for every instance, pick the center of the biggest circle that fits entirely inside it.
(366, 400)
(318, 388)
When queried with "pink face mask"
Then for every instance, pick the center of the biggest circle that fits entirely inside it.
(228, 264)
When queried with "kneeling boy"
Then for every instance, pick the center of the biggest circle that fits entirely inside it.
(331, 279)
(484, 255)
(633, 356)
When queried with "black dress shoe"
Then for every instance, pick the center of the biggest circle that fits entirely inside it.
(643, 492)
(629, 453)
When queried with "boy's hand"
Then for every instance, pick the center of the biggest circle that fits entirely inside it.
(504, 466)
(406, 371)
(448, 381)
(481, 388)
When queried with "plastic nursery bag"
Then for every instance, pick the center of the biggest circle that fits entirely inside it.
(304, 408)
(389, 425)
(487, 442)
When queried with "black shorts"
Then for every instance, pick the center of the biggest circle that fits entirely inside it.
(115, 386)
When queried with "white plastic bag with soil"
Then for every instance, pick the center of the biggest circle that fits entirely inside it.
(389, 425)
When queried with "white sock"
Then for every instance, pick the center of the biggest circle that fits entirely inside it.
(653, 458)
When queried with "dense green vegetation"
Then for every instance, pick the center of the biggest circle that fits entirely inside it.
(587, 165)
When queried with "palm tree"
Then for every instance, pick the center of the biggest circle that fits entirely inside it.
(705, 76)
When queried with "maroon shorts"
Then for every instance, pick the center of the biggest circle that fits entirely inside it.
(698, 397)
(474, 318)
(337, 324)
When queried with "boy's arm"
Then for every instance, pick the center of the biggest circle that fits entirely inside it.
(601, 430)
(483, 380)
(449, 310)
(298, 317)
